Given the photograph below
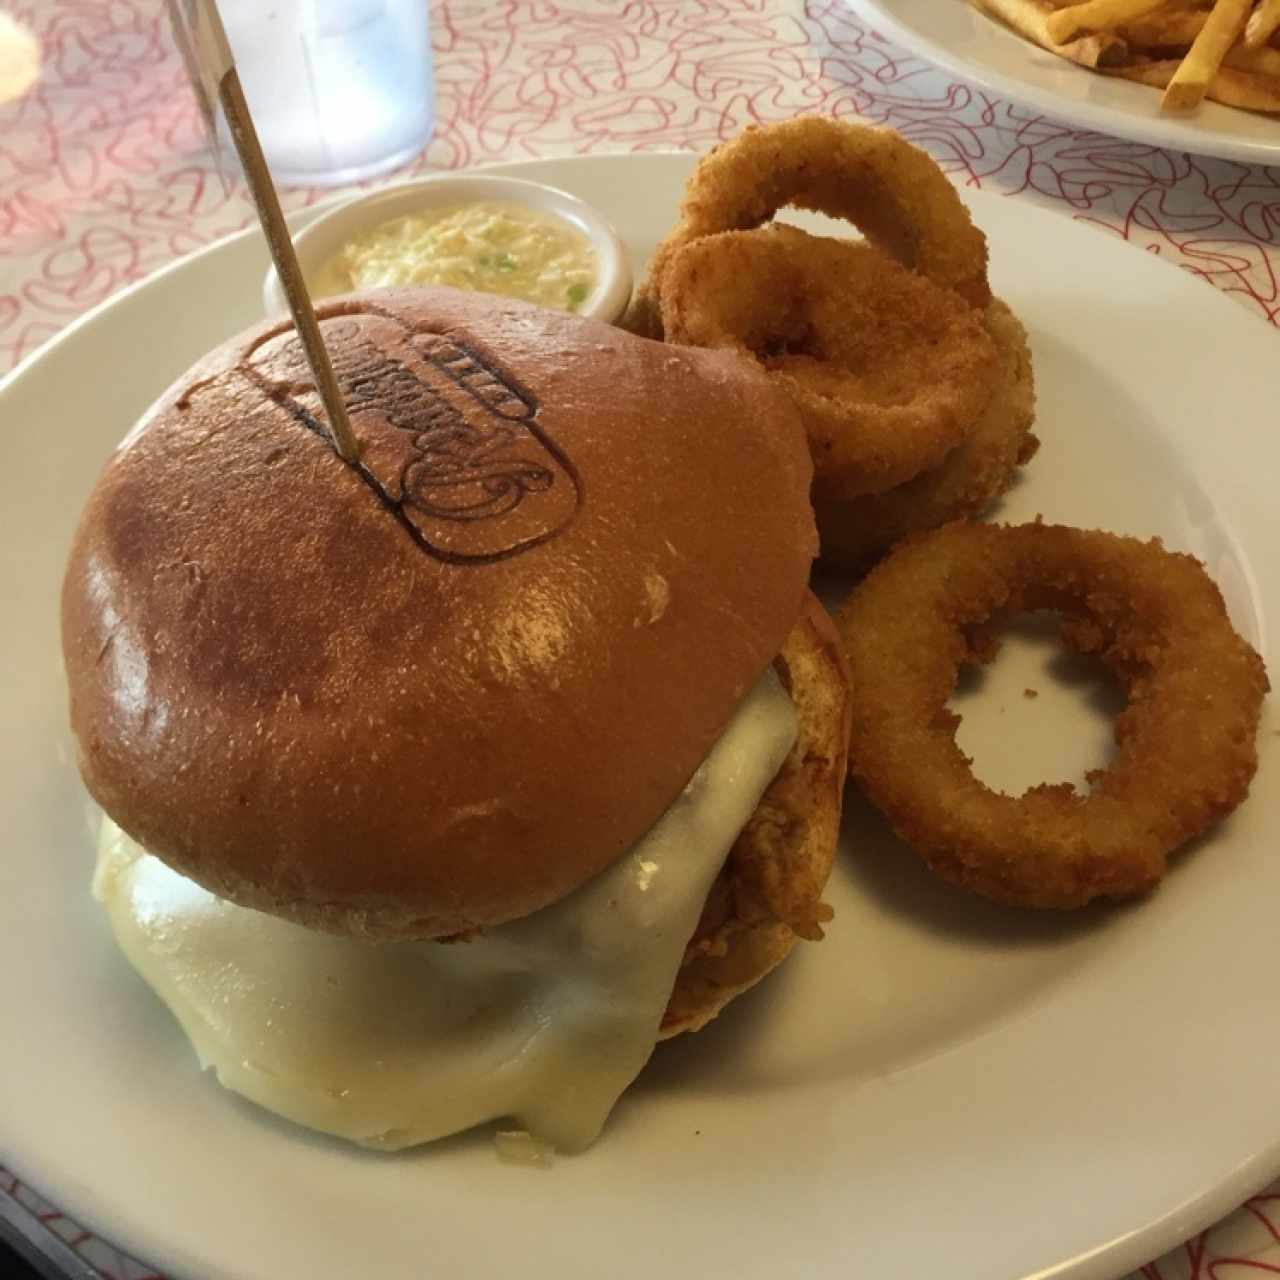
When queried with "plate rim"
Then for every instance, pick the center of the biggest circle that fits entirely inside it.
(1133, 1248)
(1169, 135)
(296, 220)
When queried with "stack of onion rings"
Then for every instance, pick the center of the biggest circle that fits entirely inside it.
(914, 385)
(1185, 743)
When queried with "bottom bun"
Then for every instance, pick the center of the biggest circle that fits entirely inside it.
(769, 893)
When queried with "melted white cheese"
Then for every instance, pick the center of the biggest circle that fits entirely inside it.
(545, 1020)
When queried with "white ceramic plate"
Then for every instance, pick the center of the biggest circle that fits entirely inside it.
(940, 1088)
(954, 35)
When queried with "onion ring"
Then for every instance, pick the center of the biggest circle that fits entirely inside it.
(894, 193)
(1185, 743)
(856, 531)
(889, 372)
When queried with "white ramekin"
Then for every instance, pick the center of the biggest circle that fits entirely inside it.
(316, 243)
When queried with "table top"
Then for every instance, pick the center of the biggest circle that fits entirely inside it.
(105, 177)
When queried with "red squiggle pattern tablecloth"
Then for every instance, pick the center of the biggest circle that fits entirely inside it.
(104, 177)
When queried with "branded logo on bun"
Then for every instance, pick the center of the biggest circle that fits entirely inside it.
(540, 676)
(452, 443)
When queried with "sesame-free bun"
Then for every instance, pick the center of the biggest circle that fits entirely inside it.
(442, 688)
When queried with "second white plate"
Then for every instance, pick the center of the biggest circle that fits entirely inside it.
(955, 36)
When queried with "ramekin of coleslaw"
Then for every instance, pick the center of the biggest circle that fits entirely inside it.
(481, 232)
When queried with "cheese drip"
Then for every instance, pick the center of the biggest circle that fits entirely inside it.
(545, 1020)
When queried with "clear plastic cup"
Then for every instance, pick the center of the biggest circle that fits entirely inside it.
(339, 89)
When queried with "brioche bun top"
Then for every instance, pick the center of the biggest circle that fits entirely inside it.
(441, 688)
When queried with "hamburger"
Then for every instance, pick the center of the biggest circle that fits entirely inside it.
(439, 787)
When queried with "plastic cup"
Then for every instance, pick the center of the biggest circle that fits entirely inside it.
(339, 89)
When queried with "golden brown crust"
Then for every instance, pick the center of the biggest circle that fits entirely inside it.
(893, 192)
(1185, 743)
(344, 698)
(890, 372)
(770, 891)
(857, 530)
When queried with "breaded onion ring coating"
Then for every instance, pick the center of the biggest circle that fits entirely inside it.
(1185, 742)
(894, 193)
(889, 372)
(769, 893)
(856, 531)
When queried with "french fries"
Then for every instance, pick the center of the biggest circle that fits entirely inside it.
(1263, 62)
(1030, 18)
(1096, 15)
(1262, 25)
(1224, 50)
(1165, 29)
(1191, 81)
(1232, 88)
